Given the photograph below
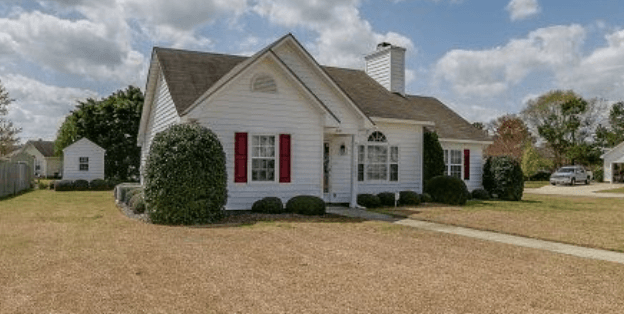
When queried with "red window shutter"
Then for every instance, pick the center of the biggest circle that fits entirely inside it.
(466, 164)
(240, 157)
(284, 158)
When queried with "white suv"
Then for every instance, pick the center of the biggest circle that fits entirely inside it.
(570, 175)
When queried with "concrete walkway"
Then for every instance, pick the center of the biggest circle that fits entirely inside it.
(578, 190)
(556, 247)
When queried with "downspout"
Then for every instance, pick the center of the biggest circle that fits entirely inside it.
(354, 182)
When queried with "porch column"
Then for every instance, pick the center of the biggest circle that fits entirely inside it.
(354, 181)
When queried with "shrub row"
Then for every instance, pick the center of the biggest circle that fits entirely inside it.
(302, 204)
(81, 185)
(406, 198)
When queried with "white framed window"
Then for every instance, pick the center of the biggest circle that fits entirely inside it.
(453, 162)
(83, 163)
(378, 161)
(263, 158)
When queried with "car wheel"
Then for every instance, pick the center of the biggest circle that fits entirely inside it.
(573, 181)
(586, 182)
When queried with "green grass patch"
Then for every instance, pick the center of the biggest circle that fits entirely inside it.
(535, 184)
(618, 190)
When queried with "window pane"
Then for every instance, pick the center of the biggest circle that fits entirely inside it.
(394, 172)
(361, 172)
(255, 141)
(394, 154)
(456, 171)
(361, 154)
(456, 157)
(270, 152)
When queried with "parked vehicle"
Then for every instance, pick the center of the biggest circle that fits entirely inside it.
(571, 175)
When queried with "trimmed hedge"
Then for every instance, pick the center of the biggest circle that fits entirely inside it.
(185, 176)
(368, 200)
(51, 184)
(268, 205)
(63, 185)
(81, 185)
(426, 198)
(448, 190)
(99, 185)
(507, 179)
(409, 198)
(137, 203)
(387, 199)
(480, 194)
(306, 205)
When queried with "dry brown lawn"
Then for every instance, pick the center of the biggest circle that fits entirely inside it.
(74, 252)
(585, 221)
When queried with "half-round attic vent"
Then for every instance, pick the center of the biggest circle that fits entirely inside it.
(263, 83)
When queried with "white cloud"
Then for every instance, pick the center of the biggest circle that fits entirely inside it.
(81, 47)
(494, 71)
(344, 37)
(522, 9)
(40, 108)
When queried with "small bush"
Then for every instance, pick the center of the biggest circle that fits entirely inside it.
(51, 185)
(81, 185)
(599, 174)
(448, 190)
(480, 194)
(387, 199)
(64, 185)
(137, 202)
(426, 198)
(99, 185)
(130, 194)
(306, 205)
(368, 200)
(268, 205)
(42, 185)
(409, 198)
(121, 190)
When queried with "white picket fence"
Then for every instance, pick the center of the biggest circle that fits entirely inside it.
(14, 178)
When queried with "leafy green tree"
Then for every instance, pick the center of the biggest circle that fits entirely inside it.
(564, 120)
(613, 134)
(8, 132)
(113, 123)
(532, 161)
(433, 157)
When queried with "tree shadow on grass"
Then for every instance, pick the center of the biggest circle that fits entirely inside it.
(12, 196)
(249, 219)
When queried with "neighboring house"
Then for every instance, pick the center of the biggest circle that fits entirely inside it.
(45, 164)
(614, 164)
(83, 160)
(290, 126)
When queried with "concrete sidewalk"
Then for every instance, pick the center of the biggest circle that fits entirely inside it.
(555, 247)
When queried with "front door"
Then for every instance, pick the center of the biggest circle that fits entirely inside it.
(326, 172)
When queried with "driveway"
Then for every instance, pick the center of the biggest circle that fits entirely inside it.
(578, 190)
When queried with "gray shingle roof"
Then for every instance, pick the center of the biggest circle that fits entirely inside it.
(46, 148)
(189, 74)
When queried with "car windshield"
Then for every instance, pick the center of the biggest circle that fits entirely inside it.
(564, 170)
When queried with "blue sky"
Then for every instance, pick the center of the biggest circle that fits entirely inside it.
(482, 58)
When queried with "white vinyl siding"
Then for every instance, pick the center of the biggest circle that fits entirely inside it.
(162, 115)
(614, 155)
(77, 154)
(235, 108)
(476, 162)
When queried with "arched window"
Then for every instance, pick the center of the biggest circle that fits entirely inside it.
(377, 137)
(378, 161)
(263, 83)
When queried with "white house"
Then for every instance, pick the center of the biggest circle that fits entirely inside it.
(614, 164)
(45, 164)
(290, 126)
(83, 160)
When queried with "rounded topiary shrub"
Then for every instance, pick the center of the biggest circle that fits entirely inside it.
(268, 205)
(81, 185)
(448, 190)
(409, 198)
(306, 205)
(99, 185)
(185, 176)
(63, 185)
(426, 198)
(480, 194)
(368, 200)
(507, 177)
(137, 203)
(387, 198)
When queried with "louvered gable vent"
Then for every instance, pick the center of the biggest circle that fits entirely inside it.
(264, 83)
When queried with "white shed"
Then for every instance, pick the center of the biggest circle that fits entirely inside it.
(614, 164)
(83, 160)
